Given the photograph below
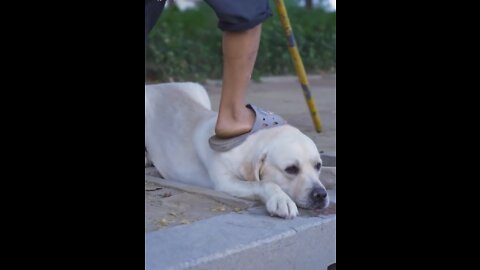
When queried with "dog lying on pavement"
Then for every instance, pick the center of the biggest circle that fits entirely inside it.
(278, 165)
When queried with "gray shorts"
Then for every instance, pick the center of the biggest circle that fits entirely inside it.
(240, 15)
(233, 15)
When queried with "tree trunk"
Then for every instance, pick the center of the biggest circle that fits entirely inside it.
(309, 4)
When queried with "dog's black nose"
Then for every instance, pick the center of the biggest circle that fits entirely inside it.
(318, 194)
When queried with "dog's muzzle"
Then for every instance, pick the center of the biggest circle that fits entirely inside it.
(318, 198)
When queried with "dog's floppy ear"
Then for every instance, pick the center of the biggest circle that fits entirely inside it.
(252, 169)
(259, 167)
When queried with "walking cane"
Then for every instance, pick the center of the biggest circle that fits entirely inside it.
(298, 64)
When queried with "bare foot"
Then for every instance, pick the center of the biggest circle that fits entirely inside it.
(230, 125)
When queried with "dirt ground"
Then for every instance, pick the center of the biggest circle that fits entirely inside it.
(167, 207)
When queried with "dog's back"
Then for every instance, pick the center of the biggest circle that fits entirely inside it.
(173, 112)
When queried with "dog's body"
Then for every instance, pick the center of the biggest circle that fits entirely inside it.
(277, 165)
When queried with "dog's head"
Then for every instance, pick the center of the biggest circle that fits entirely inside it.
(292, 161)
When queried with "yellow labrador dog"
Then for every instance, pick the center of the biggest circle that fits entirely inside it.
(278, 165)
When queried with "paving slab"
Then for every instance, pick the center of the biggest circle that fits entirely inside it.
(247, 240)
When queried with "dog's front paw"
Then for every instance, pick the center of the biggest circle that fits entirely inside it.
(281, 205)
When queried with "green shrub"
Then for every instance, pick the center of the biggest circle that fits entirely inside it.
(188, 45)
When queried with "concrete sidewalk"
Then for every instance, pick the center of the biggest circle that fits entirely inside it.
(245, 240)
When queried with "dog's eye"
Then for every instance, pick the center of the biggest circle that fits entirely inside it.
(292, 169)
(318, 166)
